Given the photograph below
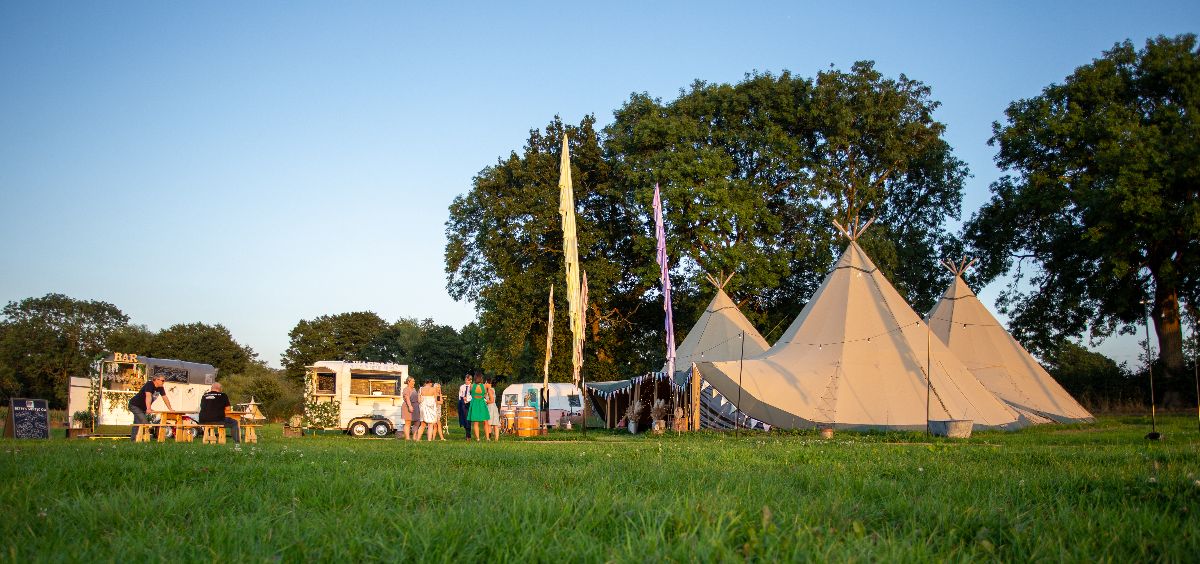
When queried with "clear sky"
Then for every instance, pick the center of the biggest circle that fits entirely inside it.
(258, 163)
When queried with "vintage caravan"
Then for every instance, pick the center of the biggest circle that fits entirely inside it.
(565, 399)
(117, 378)
(364, 396)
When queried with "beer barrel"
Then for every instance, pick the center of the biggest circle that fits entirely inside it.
(527, 422)
(508, 418)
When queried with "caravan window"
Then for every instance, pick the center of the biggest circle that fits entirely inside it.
(375, 384)
(325, 382)
(573, 401)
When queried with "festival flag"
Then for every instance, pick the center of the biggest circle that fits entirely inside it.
(665, 274)
(549, 349)
(566, 208)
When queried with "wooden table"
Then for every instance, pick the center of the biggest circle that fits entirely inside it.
(174, 419)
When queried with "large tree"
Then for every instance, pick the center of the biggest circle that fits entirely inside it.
(344, 336)
(1100, 220)
(752, 175)
(504, 251)
(200, 342)
(44, 341)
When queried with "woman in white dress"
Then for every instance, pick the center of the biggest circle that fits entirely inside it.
(428, 410)
(493, 428)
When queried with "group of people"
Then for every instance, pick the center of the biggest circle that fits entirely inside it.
(214, 407)
(421, 409)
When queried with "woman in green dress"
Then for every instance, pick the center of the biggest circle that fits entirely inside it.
(477, 412)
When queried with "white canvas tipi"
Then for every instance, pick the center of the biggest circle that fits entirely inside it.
(717, 334)
(855, 358)
(1000, 363)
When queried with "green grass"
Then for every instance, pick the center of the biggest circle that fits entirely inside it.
(1076, 493)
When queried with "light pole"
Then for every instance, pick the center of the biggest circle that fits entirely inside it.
(1154, 435)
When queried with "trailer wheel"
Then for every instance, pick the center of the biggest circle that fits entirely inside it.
(358, 429)
(381, 429)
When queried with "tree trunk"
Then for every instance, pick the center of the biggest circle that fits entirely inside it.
(1166, 325)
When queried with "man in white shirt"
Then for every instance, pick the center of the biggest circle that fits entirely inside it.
(464, 401)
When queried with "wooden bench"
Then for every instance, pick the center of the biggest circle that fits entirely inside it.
(213, 434)
(249, 435)
(145, 431)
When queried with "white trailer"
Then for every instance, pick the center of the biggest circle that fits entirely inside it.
(565, 399)
(365, 396)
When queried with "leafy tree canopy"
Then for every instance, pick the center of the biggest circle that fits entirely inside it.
(199, 342)
(429, 349)
(330, 337)
(1100, 214)
(752, 175)
(46, 340)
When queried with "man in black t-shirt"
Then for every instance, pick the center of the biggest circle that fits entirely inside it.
(214, 408)
(140, 403)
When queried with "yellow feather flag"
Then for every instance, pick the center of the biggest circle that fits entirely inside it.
(566, 208)
(582, 323)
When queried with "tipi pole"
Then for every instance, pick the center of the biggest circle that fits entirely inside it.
(737, 420)
(928, 374)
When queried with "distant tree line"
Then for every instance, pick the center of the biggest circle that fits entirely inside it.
(437, 352)
(45, 341)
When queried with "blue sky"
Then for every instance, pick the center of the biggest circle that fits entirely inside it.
(258, 163)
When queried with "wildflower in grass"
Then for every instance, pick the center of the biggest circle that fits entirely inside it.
(1153, 480)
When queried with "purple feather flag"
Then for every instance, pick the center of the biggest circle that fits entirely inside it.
(665, 273)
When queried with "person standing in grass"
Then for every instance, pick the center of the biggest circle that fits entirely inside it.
(414, 401)
(464, 402)
(477, 413)
(140, 403)
(407, 407)
(428, 411)
(493, 424)
(440, 425)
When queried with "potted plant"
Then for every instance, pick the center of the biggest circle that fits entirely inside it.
(81, 424)
(631, 415)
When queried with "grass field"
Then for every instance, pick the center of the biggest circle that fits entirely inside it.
(1080, 493)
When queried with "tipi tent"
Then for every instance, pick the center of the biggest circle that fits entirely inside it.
(855, 358)
(716, 335)
(996, 359)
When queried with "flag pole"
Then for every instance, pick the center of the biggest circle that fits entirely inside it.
(549, 351)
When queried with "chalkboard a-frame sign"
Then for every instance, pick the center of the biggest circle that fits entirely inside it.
(27, 419)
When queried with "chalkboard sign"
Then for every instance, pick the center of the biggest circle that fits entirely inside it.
(27, 419)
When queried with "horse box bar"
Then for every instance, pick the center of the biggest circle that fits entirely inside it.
(118, 376)
(368, 395)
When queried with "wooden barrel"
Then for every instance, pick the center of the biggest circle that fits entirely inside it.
(527, 422)
(508, 418)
